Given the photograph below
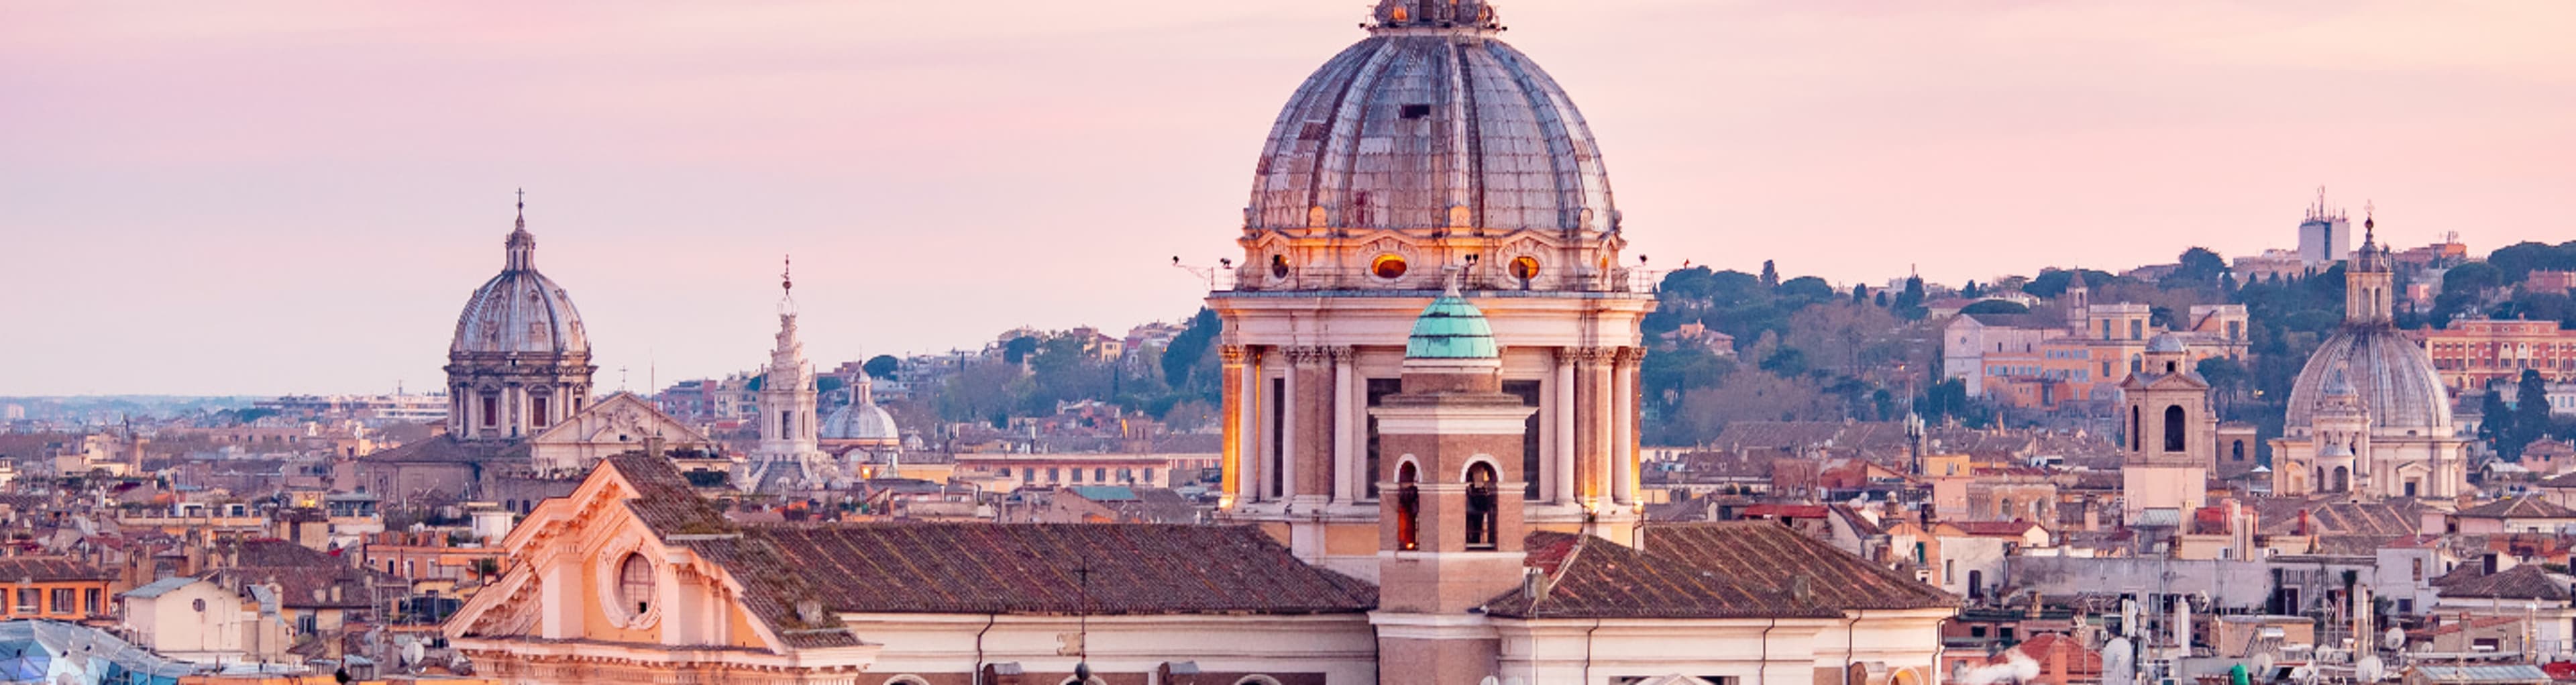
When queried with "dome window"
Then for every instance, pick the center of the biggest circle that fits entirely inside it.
(1417, 111)
(1525, 268)
(1387, 266)
(1278, 266)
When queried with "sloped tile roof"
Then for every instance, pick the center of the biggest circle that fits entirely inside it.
(1139, 569)
(2280, 516)
(1741, 569)
(45, 569)
(444, 449)
(2520, 582)
(2524, 507)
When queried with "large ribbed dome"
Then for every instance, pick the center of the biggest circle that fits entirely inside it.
(1431, 123)
(2391, 376)
(520, 311)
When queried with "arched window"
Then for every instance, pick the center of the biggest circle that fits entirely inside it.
(2174, 428)
(2137, 434)
(1263, 679)
(1408, 507)
(2342, 479)
(1481, 506)
(906, 679)
(2238, 453)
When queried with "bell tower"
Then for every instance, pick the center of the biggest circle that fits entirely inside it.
(2173, 436)
(1450, 514)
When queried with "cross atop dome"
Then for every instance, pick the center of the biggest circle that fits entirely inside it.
(1470, 14)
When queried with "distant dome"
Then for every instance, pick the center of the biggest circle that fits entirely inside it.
(2390, 376)
(2167, 343)
(861, 420)
(520, 311)
(1431, 123)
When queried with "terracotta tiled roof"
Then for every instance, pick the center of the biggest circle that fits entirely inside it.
(2520, 582)
(44, 569)
(1992, 529)
(2280, 516)
(1743, 569)
(2524, 507)
(1140, 569)
(443, 449)
(2079, 661)
(2473, 622)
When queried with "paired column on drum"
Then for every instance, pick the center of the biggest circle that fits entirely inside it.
(1311, 444)
(1605, 422)
(1242, 380)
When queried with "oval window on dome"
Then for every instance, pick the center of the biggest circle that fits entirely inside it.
(1387, 266)
(1278, 266)
(1525, 268)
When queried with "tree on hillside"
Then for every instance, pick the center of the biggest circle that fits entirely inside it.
(882, 366)
(1018, 349)
(2515, 262)
(1770, 274)
(2199, 266)
(2496, 425)
(2464, 290)
(1995, 307)
(1909, 304)
(2531, 420)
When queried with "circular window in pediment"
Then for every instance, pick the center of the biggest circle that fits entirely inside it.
(634, 590)
(1388, 267)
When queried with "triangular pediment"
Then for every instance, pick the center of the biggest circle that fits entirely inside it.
(622, 417)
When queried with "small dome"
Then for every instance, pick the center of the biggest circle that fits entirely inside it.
(1451, 328)
(2390, 376)
(2335, 450)
(2167, 343)
(861, 420)
(1431, 123)
(520, 311)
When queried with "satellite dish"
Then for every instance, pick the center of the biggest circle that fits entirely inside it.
(2393, 639)
(412, 653)
(2263, 665)
(2368, 669)
(2118, 661)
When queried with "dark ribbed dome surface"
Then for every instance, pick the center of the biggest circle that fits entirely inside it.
(1427, 124)
(2391, 376)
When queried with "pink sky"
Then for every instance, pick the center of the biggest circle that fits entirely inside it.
(273, 197)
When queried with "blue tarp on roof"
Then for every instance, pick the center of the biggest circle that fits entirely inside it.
(66, 654)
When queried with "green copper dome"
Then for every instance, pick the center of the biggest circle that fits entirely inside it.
(1451, 329)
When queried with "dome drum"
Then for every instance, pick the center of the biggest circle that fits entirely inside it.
(1393, 261)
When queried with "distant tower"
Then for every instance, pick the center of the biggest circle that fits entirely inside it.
(1450, 526)
(787, 405)
(2325, 236)
(520, 360)
(2173, 436)
(2079, 295)
(2367, 299)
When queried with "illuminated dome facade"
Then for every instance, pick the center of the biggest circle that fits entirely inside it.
(520, 360)
(1428, 142)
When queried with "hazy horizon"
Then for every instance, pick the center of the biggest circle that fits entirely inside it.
(296, 197)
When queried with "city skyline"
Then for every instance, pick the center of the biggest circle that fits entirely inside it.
(325, 190)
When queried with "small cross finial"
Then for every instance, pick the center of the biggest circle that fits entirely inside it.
(786, 273)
